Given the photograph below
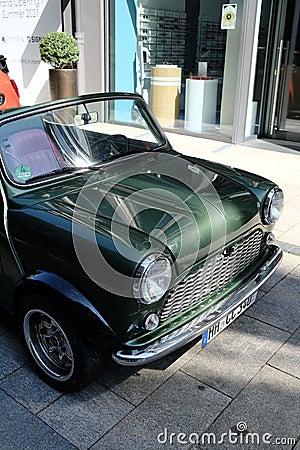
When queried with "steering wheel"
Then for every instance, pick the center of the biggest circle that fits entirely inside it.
(114, 146)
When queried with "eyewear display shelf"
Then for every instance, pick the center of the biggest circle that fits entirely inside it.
(163, 34)
(212, 44)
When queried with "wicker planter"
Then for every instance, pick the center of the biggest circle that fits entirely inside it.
(63, 83)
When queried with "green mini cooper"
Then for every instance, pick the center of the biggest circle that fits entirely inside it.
(111, 241)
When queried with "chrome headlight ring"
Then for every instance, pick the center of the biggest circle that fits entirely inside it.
(152, 278)
(273, 206)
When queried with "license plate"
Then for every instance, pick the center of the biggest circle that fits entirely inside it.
(223, 323)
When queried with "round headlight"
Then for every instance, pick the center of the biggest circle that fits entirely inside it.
(273, 206)
(152, 279)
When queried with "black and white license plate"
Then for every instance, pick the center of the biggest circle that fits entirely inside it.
(224, 322)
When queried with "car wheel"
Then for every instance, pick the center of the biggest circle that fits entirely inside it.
(54, 345)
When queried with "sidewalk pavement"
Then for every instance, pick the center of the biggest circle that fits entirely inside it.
(246, 380)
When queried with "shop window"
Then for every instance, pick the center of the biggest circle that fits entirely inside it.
(174, 54)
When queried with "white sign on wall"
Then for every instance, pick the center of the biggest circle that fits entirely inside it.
(228, 20)
(22, 24)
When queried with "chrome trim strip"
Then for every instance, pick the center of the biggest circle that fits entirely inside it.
(199, 325)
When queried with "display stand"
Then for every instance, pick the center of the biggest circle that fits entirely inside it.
(200, 104)
(165, 93)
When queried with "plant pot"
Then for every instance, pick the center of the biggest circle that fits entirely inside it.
(63, 83)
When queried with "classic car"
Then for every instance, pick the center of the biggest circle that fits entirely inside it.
(114, 243)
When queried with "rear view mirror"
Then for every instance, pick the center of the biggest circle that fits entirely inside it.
(85, 118)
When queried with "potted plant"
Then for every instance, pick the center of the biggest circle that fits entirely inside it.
(61, 51)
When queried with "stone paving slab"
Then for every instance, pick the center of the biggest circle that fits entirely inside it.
(267, 406)
(281, 306)
(181, 404)
(135, 384)
(287, 358)
(233, 358)
(288, 264)
(292, 236)
(290, 217)
(12, 354)
(296, 272)
(25, 387)
(20, 430)
(84, 417)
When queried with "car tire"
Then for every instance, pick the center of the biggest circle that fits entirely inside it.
(53, 344)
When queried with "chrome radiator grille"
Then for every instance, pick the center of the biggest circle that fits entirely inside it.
(212, 276)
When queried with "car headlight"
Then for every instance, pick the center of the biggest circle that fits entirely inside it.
(152, 278)
(273, 206)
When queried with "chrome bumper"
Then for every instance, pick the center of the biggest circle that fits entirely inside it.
(196, 327)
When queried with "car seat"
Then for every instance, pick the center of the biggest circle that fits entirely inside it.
(32, 148)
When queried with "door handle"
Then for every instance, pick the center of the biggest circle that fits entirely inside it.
(276, 86)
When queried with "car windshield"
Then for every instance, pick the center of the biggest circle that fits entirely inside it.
(81, 136)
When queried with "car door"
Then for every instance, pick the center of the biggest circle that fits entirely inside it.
(10, 270)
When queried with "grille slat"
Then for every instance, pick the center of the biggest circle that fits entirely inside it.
(212, 276)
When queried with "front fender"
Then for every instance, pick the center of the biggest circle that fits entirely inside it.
(92, 327)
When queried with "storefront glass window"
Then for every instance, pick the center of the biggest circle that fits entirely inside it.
(179, 57)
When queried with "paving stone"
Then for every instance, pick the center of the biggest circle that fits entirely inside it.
(280, 306)
(295, 250)
(296, 272)
(291, 236)
(12, 354)
(25, 387)
(291, 194)
(290, 217)
(19, 429)
(287, 358)
(233, 358)
(85, 416)
(268, 406)
(134, 384)
(285, 246)
(181, 405)
(288, 264)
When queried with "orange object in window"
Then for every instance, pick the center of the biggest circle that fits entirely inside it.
(9, 94)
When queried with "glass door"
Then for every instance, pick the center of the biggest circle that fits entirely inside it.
(289, 114)
(281, 95)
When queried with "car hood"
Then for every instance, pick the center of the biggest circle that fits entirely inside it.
(160, 201)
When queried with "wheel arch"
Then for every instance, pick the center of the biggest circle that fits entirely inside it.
(92, 327)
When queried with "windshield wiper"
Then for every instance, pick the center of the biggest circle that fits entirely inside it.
(55, 172)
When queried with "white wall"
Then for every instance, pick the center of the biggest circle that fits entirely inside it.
(22, 25)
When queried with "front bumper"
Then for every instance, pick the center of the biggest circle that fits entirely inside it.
(197, 327)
